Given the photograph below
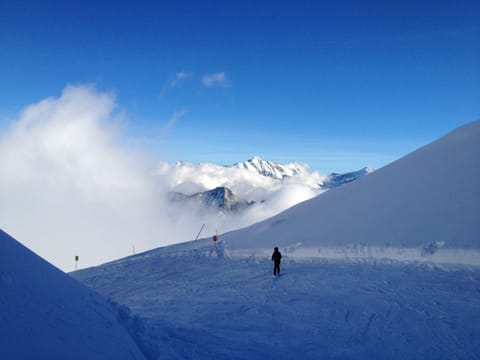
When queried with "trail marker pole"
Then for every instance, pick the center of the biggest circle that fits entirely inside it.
(215, 238)
(200, 231)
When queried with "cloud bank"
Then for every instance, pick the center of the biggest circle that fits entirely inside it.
(68, 186)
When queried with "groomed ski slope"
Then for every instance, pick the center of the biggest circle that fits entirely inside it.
(192, 304)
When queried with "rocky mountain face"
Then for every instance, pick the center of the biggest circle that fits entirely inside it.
(221, 198)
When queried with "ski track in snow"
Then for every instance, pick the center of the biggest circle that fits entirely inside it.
(198, 306)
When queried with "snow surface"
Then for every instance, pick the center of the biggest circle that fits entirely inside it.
(190, 303)
(45, 314)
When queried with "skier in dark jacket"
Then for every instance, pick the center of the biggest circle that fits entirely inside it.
(276, 256)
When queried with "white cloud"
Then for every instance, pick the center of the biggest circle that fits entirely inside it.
(177, 115)
(68, 188)
(174, 82)
(179, 78)
(217, 79)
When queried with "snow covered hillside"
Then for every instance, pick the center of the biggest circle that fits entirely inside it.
(423, 206)
(45, 314)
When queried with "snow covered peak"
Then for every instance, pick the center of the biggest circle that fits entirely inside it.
(271, 168)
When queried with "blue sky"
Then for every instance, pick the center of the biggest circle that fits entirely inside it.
(336, 84)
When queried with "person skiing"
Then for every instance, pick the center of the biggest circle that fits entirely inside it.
(276, 256)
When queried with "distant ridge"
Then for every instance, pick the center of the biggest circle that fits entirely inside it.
(335, 180)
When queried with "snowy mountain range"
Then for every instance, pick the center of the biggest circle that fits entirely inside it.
(270, 168)
(281, 171)
(224, 198)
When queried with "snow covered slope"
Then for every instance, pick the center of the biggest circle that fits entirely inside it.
(45, 314)
(425, 205)
(196, 305)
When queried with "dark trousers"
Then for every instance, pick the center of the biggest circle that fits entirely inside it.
(276, 268)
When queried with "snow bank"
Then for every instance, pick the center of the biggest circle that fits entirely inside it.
(45, 314)
(367, 254)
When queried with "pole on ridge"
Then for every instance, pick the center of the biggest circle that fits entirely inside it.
(203, 225)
